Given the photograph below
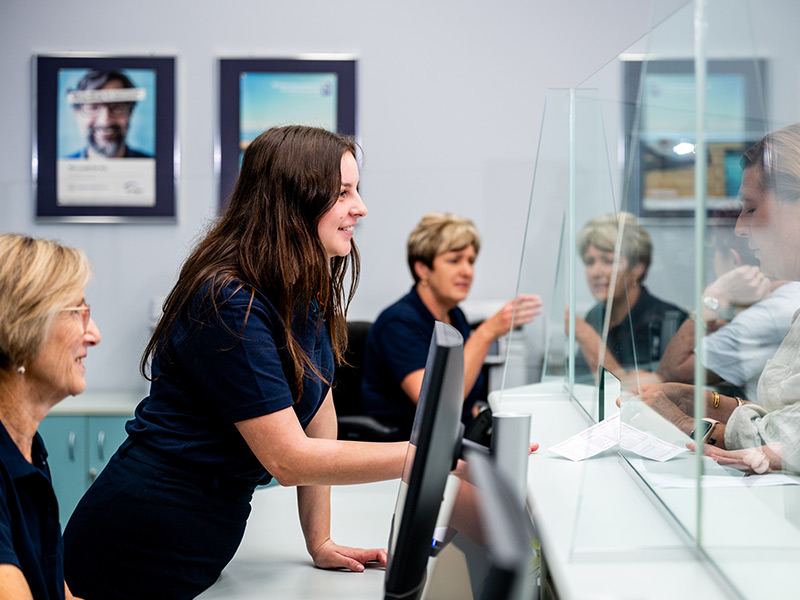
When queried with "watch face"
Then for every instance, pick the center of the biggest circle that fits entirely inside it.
(711, 303)
(705, 429)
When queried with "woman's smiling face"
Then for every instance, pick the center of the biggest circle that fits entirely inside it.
(336, 226)
(599, 265)
(58, 370)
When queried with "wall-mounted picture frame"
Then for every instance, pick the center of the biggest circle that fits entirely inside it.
(104, 141)
(659, 129)
(259, 93)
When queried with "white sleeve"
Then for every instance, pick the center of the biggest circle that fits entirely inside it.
(738, 351)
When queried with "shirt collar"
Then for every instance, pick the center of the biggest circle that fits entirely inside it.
(424, 311)
(12, 458)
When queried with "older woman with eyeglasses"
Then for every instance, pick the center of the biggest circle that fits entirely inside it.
(45, 330)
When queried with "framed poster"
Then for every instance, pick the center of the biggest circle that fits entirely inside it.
(659, 120)
(259, 93)
(104, 141)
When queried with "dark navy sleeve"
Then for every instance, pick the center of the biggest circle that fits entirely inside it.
(397, 345)
(460, 322)
(8, 555)
(403, 341)
(242, 378)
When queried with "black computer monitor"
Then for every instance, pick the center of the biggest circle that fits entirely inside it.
(435, 442)
(487, 548)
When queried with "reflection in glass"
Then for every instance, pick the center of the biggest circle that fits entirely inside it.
(636, 326)
(660, 132)
(763, 436)
(745, 318)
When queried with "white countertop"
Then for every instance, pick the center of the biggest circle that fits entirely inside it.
(272, 561)
(122, 403)
(605, 535)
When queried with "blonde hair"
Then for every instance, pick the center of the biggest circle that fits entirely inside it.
(37, 278)
(602, 232)
(438, 233)
(777, 155)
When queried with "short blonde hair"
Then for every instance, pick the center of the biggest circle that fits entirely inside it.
(776, 155)
(438, 233)
(37, 278)
(602, 232)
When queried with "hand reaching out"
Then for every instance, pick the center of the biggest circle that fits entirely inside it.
(660, 396)
(524, 309)
(763, 459)
(462, 469)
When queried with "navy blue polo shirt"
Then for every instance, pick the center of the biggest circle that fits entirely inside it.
(640, 340)
(30, 535)
(397, 345)
(219, 369)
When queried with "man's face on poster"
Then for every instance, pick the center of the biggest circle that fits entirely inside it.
(104, 125)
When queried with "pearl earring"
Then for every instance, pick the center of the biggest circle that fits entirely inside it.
(21, 369)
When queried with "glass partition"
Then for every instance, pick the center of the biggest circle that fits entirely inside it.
(573, 179)
(669, 288)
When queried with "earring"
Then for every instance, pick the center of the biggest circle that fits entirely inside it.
(21, 369)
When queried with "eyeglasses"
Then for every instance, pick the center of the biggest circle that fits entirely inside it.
(115, 109)
(84, 312)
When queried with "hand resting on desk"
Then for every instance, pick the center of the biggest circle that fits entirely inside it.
(330, 555)
(764, 459)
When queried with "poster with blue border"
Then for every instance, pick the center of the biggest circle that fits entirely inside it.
(257, 94)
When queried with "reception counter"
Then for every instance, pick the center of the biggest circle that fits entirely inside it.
(605, 534)
(272, 561)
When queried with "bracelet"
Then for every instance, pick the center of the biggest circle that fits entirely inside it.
(716, 398)
(739, 400)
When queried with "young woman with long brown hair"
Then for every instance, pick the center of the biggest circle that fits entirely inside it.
(241, 364)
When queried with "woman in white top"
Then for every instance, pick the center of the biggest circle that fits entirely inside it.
(765, 436)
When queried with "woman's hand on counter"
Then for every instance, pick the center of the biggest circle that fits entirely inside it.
(330, 555)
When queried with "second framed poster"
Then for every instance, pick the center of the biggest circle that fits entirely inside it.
(259, 93)
(660, 117)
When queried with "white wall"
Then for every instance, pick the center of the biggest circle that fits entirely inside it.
(450, 97)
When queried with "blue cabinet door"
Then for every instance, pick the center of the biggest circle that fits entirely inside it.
(78, 448)
(65, 440)
(105, 436)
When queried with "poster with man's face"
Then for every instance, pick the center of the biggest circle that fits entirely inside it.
(106, 137)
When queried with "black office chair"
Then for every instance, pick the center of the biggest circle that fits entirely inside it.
(353, 423)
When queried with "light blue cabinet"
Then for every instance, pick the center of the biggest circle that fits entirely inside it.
(78, 447)
(106, 434)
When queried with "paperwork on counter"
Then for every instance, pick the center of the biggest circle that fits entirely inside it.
(610, 433)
